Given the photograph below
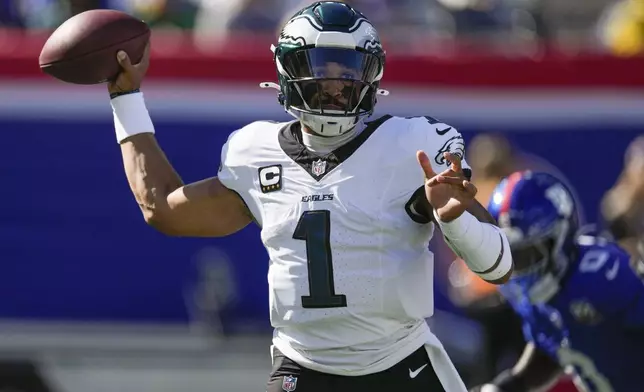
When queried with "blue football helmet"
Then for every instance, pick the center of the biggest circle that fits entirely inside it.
(539, 215)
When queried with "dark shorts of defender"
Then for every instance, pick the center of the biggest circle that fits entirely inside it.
(413, 374)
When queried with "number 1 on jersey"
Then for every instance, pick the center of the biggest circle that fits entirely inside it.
(314, 227)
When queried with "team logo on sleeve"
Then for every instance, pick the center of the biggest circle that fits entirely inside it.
(270, 178)
(289, 383)
(455, 145)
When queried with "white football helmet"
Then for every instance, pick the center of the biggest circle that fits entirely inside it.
(329, 63)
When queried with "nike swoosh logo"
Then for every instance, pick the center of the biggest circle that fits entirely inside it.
(444, 131)
(612, 272)
(413, 374)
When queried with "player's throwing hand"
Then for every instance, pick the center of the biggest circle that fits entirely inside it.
(131, 75)
(450, 193)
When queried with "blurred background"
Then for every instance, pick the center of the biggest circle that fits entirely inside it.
(91, 299)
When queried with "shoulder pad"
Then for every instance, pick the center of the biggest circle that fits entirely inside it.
(438, 138)
(603, 277)
(249, 131)
(600, 260)
(431, 125)
(241, 142)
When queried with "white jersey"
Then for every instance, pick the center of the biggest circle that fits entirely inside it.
(350, 274)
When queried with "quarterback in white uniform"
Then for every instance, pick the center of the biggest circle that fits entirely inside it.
(344, 213)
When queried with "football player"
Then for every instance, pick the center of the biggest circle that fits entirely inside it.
(580, 296)
(344, 212)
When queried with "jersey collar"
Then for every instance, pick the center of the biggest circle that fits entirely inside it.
(290, 141)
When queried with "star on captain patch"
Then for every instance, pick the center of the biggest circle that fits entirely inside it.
(319, 167)
(270, 178)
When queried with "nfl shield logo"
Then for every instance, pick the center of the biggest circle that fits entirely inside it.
(319, 167)
(289, 383)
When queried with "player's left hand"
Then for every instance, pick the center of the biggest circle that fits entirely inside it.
(449, 193)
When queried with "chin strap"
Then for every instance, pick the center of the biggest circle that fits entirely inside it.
(269, 85)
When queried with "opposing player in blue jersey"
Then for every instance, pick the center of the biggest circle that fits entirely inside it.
(580, 296)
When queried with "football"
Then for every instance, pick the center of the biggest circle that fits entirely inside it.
(83, 49)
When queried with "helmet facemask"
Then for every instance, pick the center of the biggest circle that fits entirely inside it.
(329, 89)
(541, 263)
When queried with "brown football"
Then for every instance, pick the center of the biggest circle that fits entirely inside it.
(83, 49)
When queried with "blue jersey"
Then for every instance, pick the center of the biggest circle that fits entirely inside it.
(594, 325)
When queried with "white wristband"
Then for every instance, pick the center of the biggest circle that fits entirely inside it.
(131, 117)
